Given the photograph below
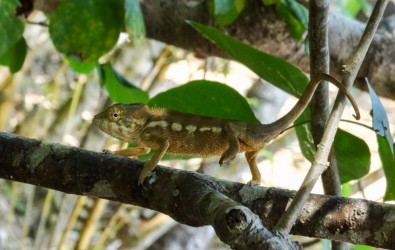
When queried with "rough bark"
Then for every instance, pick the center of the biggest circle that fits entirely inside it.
(191, 198)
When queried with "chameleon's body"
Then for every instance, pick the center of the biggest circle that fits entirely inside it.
(188, 134)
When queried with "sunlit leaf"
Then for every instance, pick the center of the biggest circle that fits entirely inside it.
(352, 155)
(380, 119)
(14, 56)
(134, 21)
(118, 88)
(88, 29)
(203, 98)
(11, 28)
(270, 68)
(206, 98)
(295, 15)
(388, 162)
(226, 12)
(80, 67)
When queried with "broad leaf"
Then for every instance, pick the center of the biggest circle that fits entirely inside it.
(352, 155)
(388, 162)
(80, 67)
(14, 56)
(206, 98)
(134, 21)
(270, 68)
(353, 7)
(380, 119)
(118, 88)
(305, 138)
(295, 15)
(88, 29)
(203, 98)
(226, 12)
(11, 28)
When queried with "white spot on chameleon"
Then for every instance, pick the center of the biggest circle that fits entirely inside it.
(162, 124)
(176, 126)
(202, 129)
(217, 129)
(191, 128)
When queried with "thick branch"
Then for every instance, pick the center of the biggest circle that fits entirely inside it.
(189, 197)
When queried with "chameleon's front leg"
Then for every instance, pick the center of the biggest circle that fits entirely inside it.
(132, 151)
(234, 145)
(151, 164)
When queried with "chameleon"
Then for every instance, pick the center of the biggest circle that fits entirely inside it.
(169, 131)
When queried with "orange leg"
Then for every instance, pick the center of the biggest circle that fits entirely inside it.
(128, 152)
(251, 159)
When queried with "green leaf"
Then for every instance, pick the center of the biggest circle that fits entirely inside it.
(86, 29)
(363, 247)
(11, 28)
(80, 67)
(118, 88)
(134, 21)
(353, 7)
(14, 56)
(226, 12)
(346, 189)
(388, 162)
(353, 156)
(206, 98)
(295, 15)
(380, 119)
(305, 138)
(203, 98)
(352, 153)
(299, 12)
(270, 68)
(269, 2)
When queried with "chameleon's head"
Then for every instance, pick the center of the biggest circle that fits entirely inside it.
(122, 121)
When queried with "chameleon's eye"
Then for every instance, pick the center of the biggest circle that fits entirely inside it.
(115, 115)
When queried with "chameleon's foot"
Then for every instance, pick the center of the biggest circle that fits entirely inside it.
(142, 177)
(226, 159)
(147, 169)
(254, 183)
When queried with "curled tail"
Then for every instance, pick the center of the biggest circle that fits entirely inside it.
(282, 123)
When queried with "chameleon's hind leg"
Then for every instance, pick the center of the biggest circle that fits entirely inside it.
(251, 159)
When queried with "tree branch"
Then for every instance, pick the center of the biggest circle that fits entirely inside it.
(192, 198)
